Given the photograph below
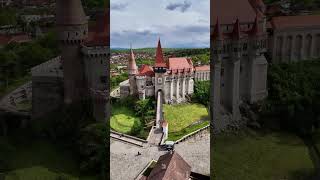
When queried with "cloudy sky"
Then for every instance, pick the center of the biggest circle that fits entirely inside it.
(179, 23)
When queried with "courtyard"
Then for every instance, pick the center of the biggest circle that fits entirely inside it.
(126, 164)
(123, 119)
(184, 119)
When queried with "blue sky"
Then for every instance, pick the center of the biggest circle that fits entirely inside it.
(179, 23)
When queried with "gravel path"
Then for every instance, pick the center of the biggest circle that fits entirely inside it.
(126, 165)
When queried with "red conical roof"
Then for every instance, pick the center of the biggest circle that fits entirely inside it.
(70, 12)
(217, 34)
(255, 28)
(132, 66)
(236, 30)
(159, 56)
(101, 35)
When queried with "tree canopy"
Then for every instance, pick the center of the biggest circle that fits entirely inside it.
(294, 95)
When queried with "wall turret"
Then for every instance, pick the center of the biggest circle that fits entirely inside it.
(132, 71)
(72, 27)
(96, 51)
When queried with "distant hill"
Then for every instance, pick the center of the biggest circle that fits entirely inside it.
(165, 50)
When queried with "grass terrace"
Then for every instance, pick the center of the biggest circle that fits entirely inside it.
(184, 119)
(251, 155)
(123, 119)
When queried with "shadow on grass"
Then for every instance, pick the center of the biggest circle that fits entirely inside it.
(313, 151)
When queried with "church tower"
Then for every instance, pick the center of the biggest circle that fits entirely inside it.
(160, 69)
(72, 27)
(132, 71)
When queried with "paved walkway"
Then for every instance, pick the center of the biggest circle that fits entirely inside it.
(126, 139)
(126, 165)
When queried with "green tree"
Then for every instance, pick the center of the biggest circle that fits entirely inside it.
(202, 92)
(294, 95)
(93, 149)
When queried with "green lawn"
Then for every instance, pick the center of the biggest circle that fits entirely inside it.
(38, 159)
(123, 119)
(181, 118)
(250, 155)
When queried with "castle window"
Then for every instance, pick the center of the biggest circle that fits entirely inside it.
(101, 62)
(84, 32)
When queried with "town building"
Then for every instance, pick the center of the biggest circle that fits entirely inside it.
(174, 77)
(80, 74)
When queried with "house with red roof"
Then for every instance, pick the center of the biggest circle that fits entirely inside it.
(16, 38)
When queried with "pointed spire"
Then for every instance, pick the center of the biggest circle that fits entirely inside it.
(236, 30)
(255, 28)
(70, 12)
(159, 56)
(132, 66)
(217, 34)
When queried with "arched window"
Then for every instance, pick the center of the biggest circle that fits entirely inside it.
(298, 46)
(279, 45)
(317, 46)
(308, 46)
(288, 48)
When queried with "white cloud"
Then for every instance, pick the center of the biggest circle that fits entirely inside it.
(142, 21)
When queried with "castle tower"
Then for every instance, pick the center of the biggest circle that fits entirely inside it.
(217, 44)
(258, 64)
(132, 71)
(231, 74)
(160, 69)
(72, 27)
(96, 51)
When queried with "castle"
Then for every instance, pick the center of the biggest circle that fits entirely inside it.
(174, 78)
(81, 72)
(241, 41)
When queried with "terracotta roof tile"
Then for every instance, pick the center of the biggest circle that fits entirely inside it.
(70, 12)
(146, 70)
(228, 10)
(179, 64)
(282, 22)
(170, 165)
(132, 63)
(202, 68)
(159, 56)
(100, 36)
